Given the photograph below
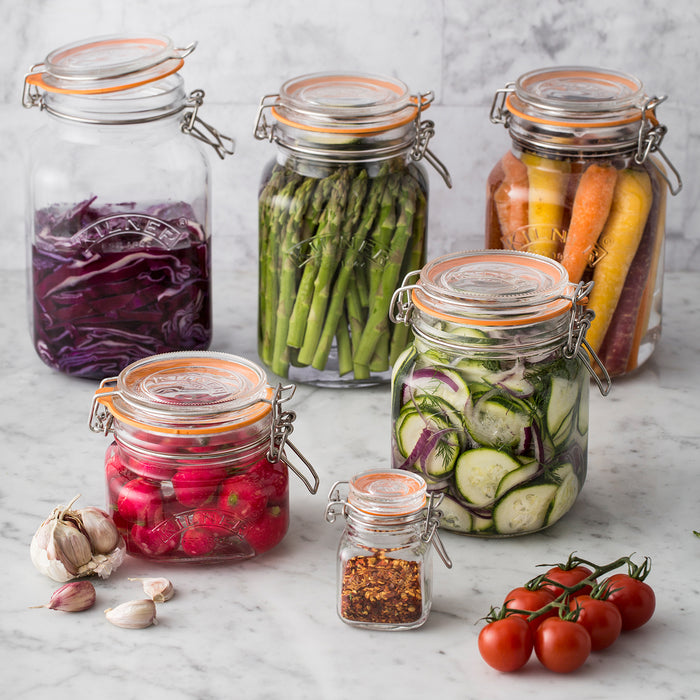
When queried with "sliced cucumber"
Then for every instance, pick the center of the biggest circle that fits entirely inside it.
(583, 401)
(566, 494)
(523, 510)
(497, 421)
(478, 473)
(455, 516)
(517, 477)
(562, 404)
(438, 453)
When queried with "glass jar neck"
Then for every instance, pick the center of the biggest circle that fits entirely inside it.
(153, 102)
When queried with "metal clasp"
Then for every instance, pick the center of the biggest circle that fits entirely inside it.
(280, 431)
(210, 135)
(101, 419)
(401, 306)
(651, 134)
(576, 343)
(499, 114)
(425, 130)
(430, 531)
(264, 130)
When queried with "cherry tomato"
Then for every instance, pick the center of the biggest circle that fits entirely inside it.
(506, 644)
(601, 618)
(635, 600)
(522, 598)
(567, 577)
(562, 645)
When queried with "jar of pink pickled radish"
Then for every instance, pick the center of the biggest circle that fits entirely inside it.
(197, 470)
(585, 183)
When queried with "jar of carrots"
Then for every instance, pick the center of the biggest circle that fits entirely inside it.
(585, 183)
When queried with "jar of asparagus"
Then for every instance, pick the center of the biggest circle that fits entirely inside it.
(343, 212)
(585, 183)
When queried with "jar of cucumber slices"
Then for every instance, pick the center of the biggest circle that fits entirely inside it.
(490, 401)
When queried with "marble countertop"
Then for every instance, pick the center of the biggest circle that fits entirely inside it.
(267, 628)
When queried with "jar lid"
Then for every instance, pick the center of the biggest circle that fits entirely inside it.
(574, 95)
(108, 64)
(188, 392)
(346, 103)
(387, 492)
(493, 287)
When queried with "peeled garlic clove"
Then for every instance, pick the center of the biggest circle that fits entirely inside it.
(157, 589)
(73, 597)
(100, 529)
(133, 615)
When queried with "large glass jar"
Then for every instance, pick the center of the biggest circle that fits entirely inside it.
(385, 572)
(490, 402)
(585, 183)
(118, 206)
(197, 470)
(342, 217)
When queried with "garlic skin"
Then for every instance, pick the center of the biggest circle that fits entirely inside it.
(100, 529)
(159, 590)
(73, 597)
(134, 614)
(62, 549)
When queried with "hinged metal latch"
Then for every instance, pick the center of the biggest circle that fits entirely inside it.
(191, 123)
(499, 114)
(425, 130)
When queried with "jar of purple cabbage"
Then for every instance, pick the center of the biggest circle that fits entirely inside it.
(118, 220)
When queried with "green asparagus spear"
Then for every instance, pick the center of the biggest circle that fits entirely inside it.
(279, 208)
(328, 238)
(357, 226)
(316, 221)
(344, 346)
(288, 265)
(377, 320)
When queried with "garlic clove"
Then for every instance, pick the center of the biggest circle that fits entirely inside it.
(134, 614)
(73, 597)
(70, 546)
(157, 589)
(100, 529)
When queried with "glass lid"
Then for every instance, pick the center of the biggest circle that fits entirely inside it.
(494, 286)
(345, 102)
(190, 388)
(577, 93)
(387, 492)
(109, 64)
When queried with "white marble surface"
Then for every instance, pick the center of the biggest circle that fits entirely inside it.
(463, 50)
(267, 628)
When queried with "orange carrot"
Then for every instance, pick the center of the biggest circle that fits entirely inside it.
(588, 216)
(619, 241)
(514, 190)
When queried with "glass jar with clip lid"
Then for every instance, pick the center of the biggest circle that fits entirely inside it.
(585, 183)
(198, 466)
(490, 402)
(342, 217)
(385, 571)
(119, 229)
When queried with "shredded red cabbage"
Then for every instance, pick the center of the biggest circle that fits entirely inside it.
(113, 284)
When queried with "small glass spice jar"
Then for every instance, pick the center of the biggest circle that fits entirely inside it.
(585, 183)
(119, 205)
(197, 470)
(384, 556)
(490, 403)
(342, 217)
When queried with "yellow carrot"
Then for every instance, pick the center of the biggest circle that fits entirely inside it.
(619, 240)
(547, 180)
(588, 216)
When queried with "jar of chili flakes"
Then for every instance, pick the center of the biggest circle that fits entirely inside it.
(197, 470)
(384, 556)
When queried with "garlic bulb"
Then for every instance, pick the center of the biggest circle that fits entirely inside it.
(134, 614)
(63, 547)
(157, 589)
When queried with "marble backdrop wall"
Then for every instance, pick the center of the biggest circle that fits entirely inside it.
(463, 50)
